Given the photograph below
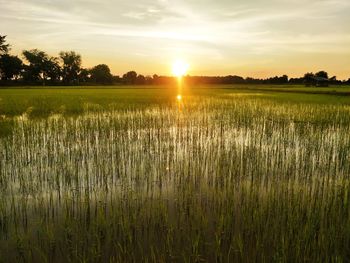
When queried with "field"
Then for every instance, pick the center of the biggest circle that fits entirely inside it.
(226, 174)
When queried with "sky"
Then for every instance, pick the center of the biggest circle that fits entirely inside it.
(257, 38)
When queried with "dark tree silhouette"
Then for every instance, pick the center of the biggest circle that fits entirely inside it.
(117, 79)
(322, 74)
(277, 80)
(71, 66)
(148, 80)
(140, 80)
(101, 74)
(84, 75)
(308, 77)
(320, 79)
(130, 77)
(37, 68)
(333, 80)
(232, 79)
(296, 80)
(52, 69)
(41, 67)
(10, 67)
(4, 48)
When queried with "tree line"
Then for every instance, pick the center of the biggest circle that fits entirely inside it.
(37, 67)
(233, 79)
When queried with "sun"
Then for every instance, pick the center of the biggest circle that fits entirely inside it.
(180, 68)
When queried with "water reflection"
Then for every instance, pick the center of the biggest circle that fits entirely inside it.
(179, 89)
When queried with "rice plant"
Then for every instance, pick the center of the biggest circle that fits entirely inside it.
(231, 178)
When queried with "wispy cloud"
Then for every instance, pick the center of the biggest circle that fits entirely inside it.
(213, 31)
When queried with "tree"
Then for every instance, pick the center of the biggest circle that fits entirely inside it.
(148, 80)
(52, 69)
(37, 65)
(284, 79)
(84, 75)
(101, 74)
(130, 77)
(10, 66)
(333, 80)
(140, 80)
(296, 80)
(41, 67)
(116, 79)
(322, 74)
(4, 48)
(308, 78)
(71, 66)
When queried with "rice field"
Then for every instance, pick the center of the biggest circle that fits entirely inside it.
(135, 175)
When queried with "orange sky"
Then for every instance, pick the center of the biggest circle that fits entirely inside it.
(258, 38)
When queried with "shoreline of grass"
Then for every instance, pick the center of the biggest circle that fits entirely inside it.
(299, 89)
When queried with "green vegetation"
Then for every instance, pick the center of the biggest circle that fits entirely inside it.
(133, 175)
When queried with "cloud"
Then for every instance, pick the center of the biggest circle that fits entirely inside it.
(222, 30)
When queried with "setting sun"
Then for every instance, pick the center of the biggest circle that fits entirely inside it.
(180, 68)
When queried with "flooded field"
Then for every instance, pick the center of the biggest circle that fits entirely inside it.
(143, 176)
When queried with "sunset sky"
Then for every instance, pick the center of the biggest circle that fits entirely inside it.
(258, 38)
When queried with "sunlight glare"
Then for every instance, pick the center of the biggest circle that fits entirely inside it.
(179, 97)
(180, 68)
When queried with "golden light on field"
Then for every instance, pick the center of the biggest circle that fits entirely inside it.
(180, 68)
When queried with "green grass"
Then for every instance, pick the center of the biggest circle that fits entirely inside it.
(42, 102)
(70, 101)
(133, 175)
